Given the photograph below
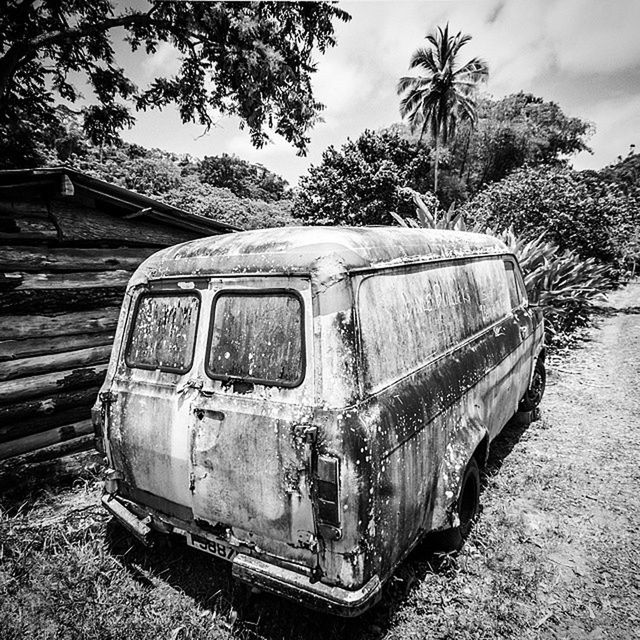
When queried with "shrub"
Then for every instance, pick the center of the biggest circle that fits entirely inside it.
(565, 285)
(579, 212)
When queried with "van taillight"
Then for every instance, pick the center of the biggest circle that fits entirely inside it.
(96, 420)
(328, 490)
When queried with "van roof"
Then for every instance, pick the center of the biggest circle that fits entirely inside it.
(310, 249)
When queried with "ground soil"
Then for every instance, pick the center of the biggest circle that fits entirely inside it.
(554, 553)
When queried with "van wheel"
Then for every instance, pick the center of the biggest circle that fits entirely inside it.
(469, 498)
(533, 395)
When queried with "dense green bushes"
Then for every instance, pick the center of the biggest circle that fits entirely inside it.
(576, 211)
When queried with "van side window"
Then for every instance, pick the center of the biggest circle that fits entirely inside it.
(406, 319)
(257, 337)
(163, 332)
(515, 295)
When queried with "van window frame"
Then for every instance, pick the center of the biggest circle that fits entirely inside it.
(519, 281)
(263, 293)
(163, 293)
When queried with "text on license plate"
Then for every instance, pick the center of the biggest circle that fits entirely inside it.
(217, 548)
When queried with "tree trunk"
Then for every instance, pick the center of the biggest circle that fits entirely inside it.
(466, 154)
(435, 169)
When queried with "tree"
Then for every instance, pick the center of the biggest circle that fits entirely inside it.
(245, 179)
(363, 181)
(223, 205)
(253, 60)
(513, 131)
(438, 100)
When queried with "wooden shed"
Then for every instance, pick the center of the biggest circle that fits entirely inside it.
(68, 245)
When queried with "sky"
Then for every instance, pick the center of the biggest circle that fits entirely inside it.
(582, 54)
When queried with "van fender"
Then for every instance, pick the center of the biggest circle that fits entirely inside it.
(463, 440)
(539, 354)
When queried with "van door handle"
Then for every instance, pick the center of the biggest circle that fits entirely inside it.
(212, 414)
(192, 383)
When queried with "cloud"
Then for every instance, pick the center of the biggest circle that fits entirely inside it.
(165, 61)
(339, 84)
(598, 37)
(618, 126)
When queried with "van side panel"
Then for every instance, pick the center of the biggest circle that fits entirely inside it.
(426, 424)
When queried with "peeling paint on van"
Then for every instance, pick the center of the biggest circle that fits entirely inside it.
(414, 359)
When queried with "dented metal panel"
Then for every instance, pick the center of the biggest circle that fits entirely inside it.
(385, 356)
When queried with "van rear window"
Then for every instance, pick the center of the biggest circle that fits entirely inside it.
(163, 332)
(257, 337)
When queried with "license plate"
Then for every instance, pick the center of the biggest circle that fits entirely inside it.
(218, 548)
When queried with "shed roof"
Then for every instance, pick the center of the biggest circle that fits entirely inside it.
(69, 182)
(306, 249)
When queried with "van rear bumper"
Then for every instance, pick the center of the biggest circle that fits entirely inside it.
(296, 586)
(270, 577)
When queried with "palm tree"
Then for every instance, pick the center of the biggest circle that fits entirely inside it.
(445, 94)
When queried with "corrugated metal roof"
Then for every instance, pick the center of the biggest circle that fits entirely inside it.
(308, 249)
(68, 181)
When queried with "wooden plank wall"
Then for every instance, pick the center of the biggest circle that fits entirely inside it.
(64, 264)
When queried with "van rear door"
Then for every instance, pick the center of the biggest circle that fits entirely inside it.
(249, 441)
(149, 415)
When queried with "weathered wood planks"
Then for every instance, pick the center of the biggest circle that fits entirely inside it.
(68, 247)
(16, 349)
(46, 383)
(54, 362)
(70, 280)
(75, 225)
(28, 326)
(45, 439)
(63, 259)
(15, 412)
(37, 423)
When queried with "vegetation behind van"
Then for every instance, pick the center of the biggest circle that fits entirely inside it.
(308, 402)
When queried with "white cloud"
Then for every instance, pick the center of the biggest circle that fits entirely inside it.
(595, 37)
(339, 85)
(618, 123)
(165, 61)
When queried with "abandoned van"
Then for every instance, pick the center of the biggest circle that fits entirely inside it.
(306, 403)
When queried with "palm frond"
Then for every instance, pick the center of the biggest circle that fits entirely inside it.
(424, 58)
(412, 82)
(476, 70)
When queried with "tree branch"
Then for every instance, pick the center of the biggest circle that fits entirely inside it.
(21, 52)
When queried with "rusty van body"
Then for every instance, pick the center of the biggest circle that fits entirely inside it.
(307, 402)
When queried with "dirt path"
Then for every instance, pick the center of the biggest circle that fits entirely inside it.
(590, 462)
(555, 553)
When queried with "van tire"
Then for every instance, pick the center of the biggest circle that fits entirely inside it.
(533, 395)
(469, 498)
